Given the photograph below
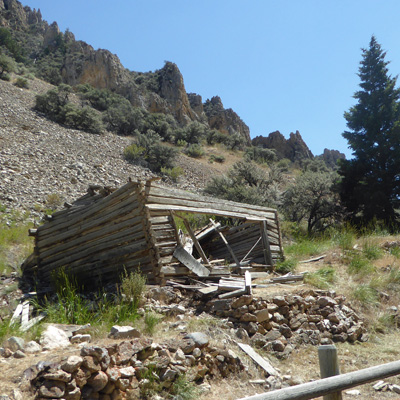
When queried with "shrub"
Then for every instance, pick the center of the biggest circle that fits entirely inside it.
(56, 106)
(134, 153)
(194, 151)
(150, 321)
(260, 155)
(219, 159)
(21, 83)
(133, 286)
(174, 173)
(184, 389)
(7, 65)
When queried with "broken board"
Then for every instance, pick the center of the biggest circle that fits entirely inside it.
(190, 262)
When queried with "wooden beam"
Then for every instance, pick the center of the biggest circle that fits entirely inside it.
(190, 262)
(261, 361)
(226, 244)
(247, 282)
(329, 366)
(196, 242)
(266, 244)
(312, 390)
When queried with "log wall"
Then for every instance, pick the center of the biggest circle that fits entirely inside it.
(133, 227)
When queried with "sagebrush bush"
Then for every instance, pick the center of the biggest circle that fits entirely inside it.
(21, 83)
(194, 150)
(133, 286)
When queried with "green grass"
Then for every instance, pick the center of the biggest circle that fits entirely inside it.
(365, 295)
(307, 247)
(183, 389)
(322, 279)
(360, 265)
(151, 320)
(371, 249)
(286, 266)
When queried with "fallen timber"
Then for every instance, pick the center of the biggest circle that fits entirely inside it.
(133, 228)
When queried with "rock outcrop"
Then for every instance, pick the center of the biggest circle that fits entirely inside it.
(294, 148)
(331, 157)
(225, 120)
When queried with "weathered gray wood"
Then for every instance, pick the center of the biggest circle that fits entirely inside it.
(311, 390)
(196, 242)
(266, 244)
(205, 210)
(28, 325)
(208, 290)
(79, 229)
(161, 191)
(131, 235)
(247, 282)
(312, 259)
(130, 225)
(16, 316)
(190, 262)
(261, 361)
(226, 244)
(288, 278)
(206, 231)
(229, 295)
(248, 253)
(96, 253)
(121, 196)
(25, 313)
(329, 366)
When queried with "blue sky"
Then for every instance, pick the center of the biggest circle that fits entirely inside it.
(282, 65)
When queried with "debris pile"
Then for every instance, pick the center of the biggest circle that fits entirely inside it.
(281, 323)
(131, 368)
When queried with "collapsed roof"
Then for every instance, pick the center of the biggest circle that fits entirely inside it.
(134, 228)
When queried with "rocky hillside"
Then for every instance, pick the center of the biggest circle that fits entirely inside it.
(58, 57)
(43, 164)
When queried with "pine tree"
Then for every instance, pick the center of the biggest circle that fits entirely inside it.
(370, 186)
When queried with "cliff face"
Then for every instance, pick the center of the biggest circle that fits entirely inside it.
(294, 148)
(225, 120)
(76, 62)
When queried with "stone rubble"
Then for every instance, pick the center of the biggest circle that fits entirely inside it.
(282, 323)
(129, 368)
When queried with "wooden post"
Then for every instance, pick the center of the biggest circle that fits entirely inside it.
(329, 366)
(266, 244)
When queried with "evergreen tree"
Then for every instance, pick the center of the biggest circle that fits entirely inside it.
(370, 186)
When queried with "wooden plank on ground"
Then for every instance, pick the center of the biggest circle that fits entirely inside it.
(31, 322)
(208, 290)
(16, 314)
(190, 262)
(229, 295)
(25, 313)
(247, 282)
(261, 361)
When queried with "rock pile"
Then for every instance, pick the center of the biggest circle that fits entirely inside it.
(281, 323)
(129, 368)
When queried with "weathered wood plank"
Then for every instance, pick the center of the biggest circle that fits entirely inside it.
(121, 195)
(195, 241)
(262, 362)
(130, 225)
(90, 224)
(229, 295)
(129, 235)
(190, 262)
(266, 244)
(204, 210)
(157, 190)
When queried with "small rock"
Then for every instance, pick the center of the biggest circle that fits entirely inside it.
(72, 364)
(98, 381)
(353, 392)
(200, 339)
(32, 347)
(54, 338)
(79, 338)
(14, 343)
(19, 354)
(123, 332)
